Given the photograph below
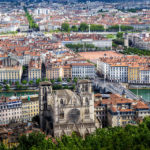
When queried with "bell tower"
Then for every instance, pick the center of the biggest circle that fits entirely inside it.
(45, 88)
(84, 86)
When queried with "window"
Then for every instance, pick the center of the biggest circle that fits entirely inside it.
(87, 102)
(61, 115)
(61, 102)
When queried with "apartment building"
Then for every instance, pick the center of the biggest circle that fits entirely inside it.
(30, 108)
(83, 70)
(34, 70)
(127, 69)
(100, 110)
(118, 73)
(133, 74)
(10, 110)
(67, 71)
(12, 74)
(55, 72)
(145, 75)
(115, 110)
(10, 70)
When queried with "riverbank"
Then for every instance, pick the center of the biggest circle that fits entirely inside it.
(138, 86)
(18, 93)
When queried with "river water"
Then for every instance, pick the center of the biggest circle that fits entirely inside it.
(9, 94)
(145, 93)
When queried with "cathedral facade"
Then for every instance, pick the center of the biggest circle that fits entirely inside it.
(64, 111)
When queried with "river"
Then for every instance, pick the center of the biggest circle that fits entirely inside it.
(8, 94)
(145, 93)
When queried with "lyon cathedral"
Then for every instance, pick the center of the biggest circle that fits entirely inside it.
(64, 111)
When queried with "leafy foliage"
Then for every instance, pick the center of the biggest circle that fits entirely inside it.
(65, 27)
(117, 138)
(31, 21)
(7, 87)
(131, 51)
(122, 27)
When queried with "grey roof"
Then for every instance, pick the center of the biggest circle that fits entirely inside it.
(67, 94)
(84, 81)
(45, 83)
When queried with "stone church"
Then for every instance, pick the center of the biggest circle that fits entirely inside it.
(64, 111)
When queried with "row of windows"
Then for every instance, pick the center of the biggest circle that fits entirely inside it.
(10, 106)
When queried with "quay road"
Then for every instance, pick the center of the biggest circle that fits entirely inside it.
(115, 88)
(102, 33)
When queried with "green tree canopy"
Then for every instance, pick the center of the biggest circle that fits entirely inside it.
(30, 82)
(119, 35)
(83, 27)
(112, 138)
(74, 28)
(7, 87)
(38, 81)
(24, 82)
(65, 27)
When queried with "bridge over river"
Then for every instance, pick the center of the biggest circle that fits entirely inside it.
(115, 88)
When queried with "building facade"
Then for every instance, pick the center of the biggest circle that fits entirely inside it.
(64, 111)
(34, 70)
(30, 108)
(10, 70)
(115, 110)
(83, 70)
(10, 110)
(54, 72)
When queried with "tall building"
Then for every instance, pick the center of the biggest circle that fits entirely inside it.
(10, 70)
(115, 110)
(54, 72)
(83, 70)
(30, 108)
(64, 111)
(67, 71)
(10, 110)
(34, 70)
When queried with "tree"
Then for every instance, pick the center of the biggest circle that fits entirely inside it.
(1, 87)
(38, 81)
(5, 81)
(112, 138)
(30, 82)
(7, 87)
(83, 27)
(68, 80)
(57, 87)
(32, 24)
(95, 27)
(3, 147)
(10, 82)
(59, 80)
(75, 80)
(52, 81)
(24, 82)
(17, 82)
(45, 79)
(65, 27)
(120, 35)
(74, 28)
(19, 87)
